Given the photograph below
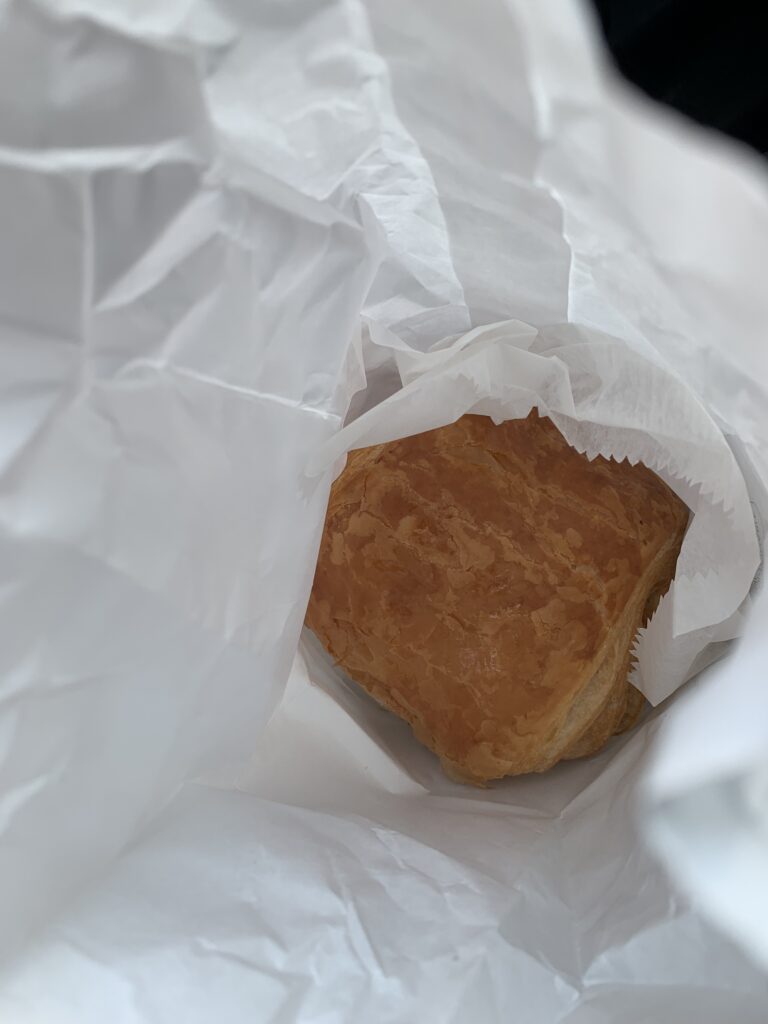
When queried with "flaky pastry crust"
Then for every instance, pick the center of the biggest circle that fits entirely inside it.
(486, 583)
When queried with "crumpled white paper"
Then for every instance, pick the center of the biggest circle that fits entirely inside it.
(198, 201)
(708, 816)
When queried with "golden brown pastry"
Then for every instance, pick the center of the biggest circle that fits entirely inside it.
(486, 583)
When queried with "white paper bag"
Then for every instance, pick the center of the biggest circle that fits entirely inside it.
(199, 201)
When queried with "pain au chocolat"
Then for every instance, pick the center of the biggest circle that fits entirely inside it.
(485, 582)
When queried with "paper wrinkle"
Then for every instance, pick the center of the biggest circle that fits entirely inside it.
(160, 80)
(698, 810)
(190, 228)
(700, 813)
(645, 263)
(247, 392)
(525, 932)
(141, 519)
(13, 800)
(179, 25)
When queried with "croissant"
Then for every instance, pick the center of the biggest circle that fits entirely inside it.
(485, 583)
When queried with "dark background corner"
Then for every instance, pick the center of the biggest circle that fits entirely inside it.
(707, 60)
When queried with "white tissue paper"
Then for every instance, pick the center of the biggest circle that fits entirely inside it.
(201, 204)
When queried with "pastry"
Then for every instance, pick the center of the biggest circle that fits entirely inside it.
(485, 582)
